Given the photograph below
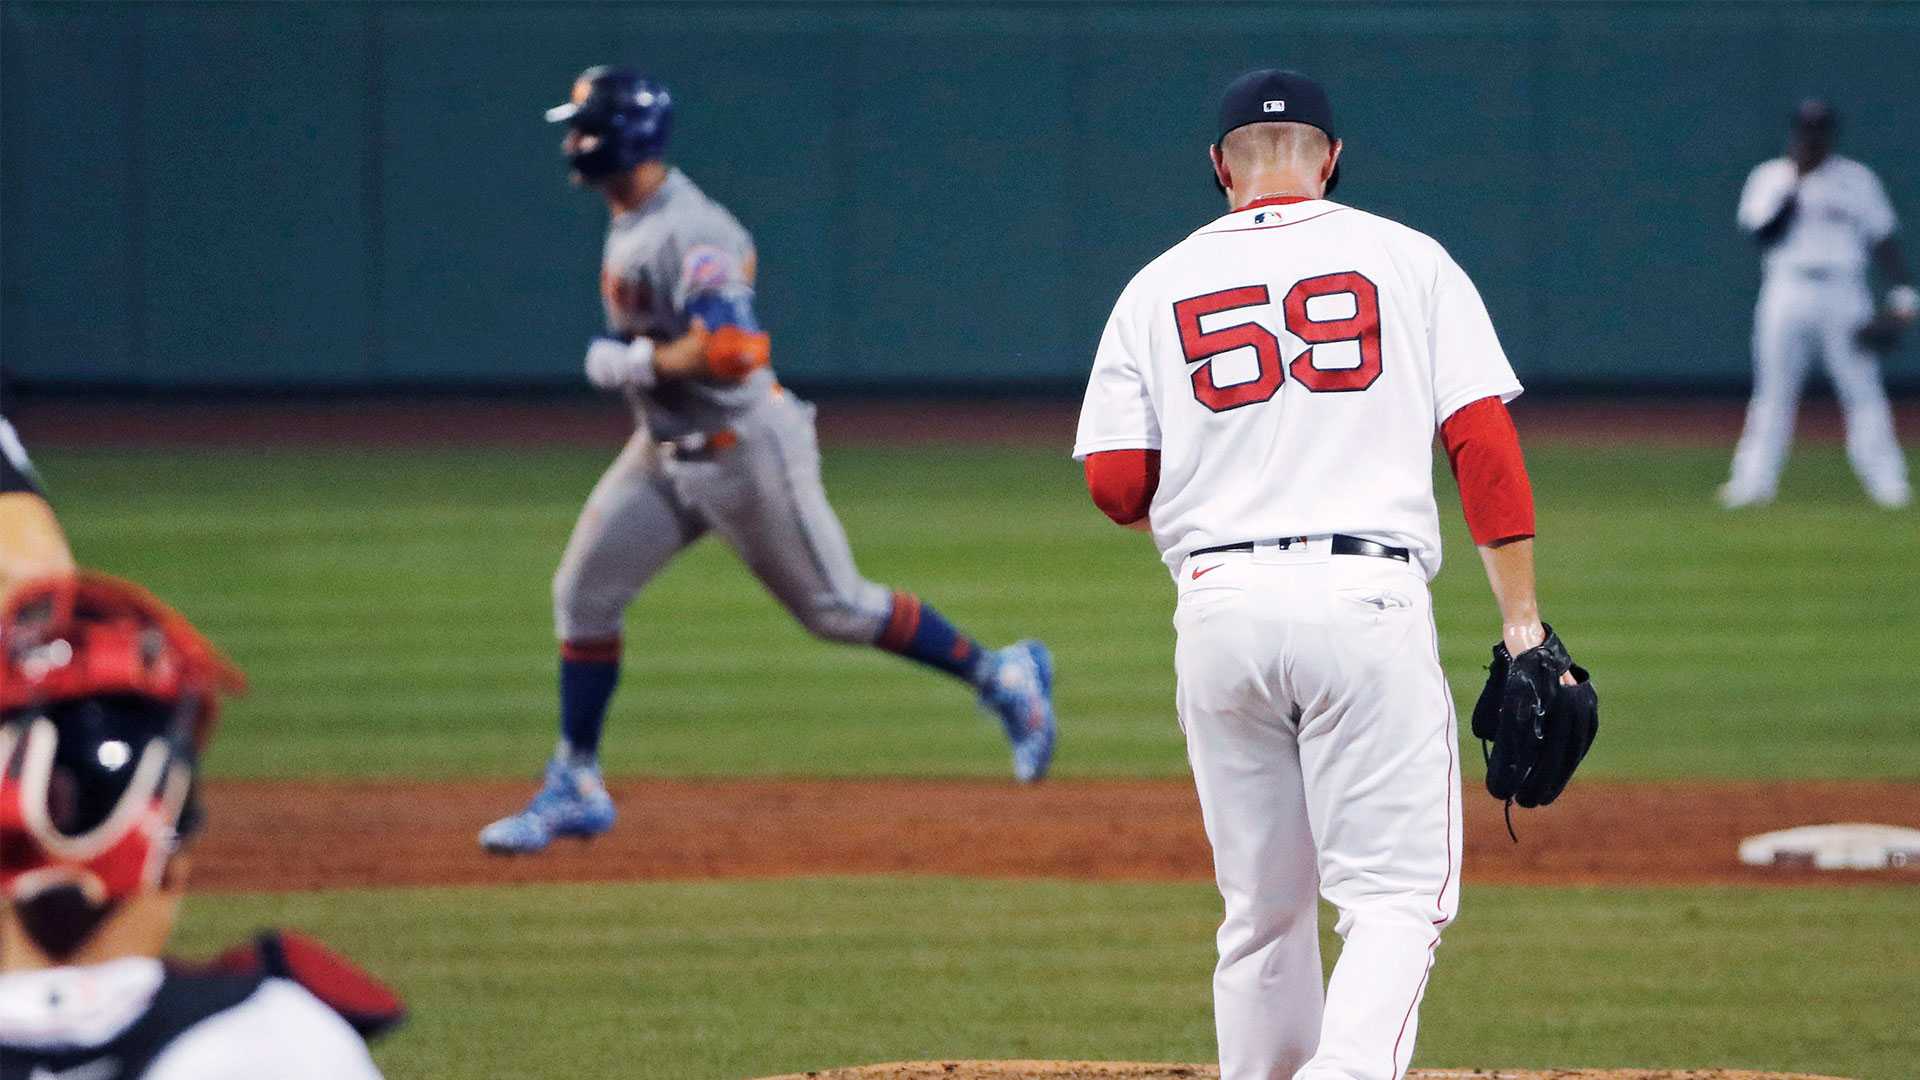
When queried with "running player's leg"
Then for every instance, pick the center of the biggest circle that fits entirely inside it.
(1783, 342)
(1872, 446)
(1378, 756)
(631, 526)
(766, 498)
(1246, 768)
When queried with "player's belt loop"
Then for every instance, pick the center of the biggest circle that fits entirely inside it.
(1340, 544)
(1285, 543)
(701, 445)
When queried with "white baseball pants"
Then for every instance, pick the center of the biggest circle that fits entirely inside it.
(1798, 317)
(1322, 738)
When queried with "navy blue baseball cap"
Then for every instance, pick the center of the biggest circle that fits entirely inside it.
(1274, 95)
(1815, 114)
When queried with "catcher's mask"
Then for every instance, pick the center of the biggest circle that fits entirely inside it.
(107, 697)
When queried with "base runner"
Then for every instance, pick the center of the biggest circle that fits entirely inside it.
(1263, 402)
(720, 448)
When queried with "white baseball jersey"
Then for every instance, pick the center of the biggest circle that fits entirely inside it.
(1291, 363)
(278, 1032)
(1841, 211)
(1813, 301)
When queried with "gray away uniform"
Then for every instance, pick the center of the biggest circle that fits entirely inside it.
(762, 494)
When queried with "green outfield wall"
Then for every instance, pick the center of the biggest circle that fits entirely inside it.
(950, 195)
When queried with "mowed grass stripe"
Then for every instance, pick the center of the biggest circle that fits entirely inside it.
(745, 979)
(393, 609)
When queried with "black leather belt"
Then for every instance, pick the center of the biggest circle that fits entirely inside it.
(1342, 545)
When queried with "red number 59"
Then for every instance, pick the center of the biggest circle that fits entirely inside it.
(1362, 328)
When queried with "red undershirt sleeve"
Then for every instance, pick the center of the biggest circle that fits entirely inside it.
(1484, 450)
(1122, 482)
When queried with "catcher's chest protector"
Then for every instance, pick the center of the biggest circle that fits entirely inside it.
(182, 1002)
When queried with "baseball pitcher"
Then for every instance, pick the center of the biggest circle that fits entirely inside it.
(721, 448)
(107, 701)
(1263, 402)
(1821, 219)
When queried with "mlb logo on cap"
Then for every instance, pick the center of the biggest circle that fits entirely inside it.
(1274, 96)
(1271, 96)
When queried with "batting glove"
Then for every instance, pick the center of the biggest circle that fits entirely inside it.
(613, 364)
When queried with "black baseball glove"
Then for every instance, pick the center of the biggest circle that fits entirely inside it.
(1534, 730)
(1882, 333)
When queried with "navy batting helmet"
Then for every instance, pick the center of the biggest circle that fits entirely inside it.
(624, 118)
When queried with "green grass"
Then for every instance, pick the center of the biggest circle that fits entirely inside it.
(392, 609)
(688, 981)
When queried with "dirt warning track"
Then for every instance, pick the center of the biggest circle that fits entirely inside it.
(299, 835)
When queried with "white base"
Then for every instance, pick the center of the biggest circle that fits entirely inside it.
(1850, 846)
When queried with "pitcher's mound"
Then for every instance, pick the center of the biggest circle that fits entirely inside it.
(1132, 1070)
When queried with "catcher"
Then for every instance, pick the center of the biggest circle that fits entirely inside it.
(107, 700)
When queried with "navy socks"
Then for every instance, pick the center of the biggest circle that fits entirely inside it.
(918, 632)
(589, 670)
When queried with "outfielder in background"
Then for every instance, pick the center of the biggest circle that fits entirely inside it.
(1263, 402)
(1821, 219)
(108, 699)
(720, 447)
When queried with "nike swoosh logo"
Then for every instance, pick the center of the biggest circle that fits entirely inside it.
(1199, 571)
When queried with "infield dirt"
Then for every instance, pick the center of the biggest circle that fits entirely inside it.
(300, 835)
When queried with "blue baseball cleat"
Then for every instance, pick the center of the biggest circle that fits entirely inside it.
(1020, 693)
(572, 802)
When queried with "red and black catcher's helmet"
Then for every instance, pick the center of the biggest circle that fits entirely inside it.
(107, 698)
